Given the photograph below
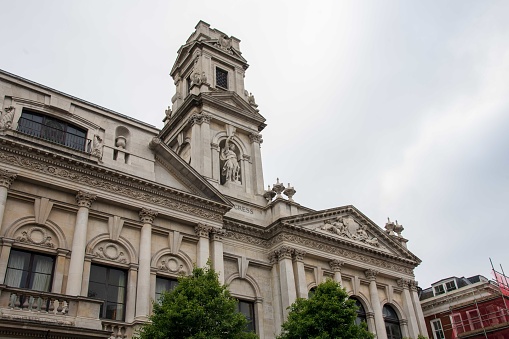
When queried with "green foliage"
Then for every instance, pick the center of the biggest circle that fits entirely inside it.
(327, 314)
(199, 308)
(420, 336)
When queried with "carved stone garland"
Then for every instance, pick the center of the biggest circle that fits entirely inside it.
(36, 236)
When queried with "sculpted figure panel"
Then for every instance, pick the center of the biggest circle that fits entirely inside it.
(346, 227)
(230, 171)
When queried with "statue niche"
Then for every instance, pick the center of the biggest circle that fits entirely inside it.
(229, 162)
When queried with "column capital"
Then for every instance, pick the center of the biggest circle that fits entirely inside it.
(284, 252)
(255, 137)
(6, 178)
(335, 265)
(272, 257)
(370, 315)
(298, 255)
(403, 283)
(147, 215)
(202, 230)
(413, 285)
(206, 118)
(371, 274)
(217, 233)
(85, 199)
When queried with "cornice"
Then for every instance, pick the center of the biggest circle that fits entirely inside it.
(360, 217)
(93, 176)
(284, 232)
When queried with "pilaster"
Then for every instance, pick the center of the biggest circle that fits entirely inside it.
(6, 179)
(300, 276)
(413, 329)
(216, 237)
(276, 292)
(418, 309)
(202, 250)
(335, 266)
(287, 278)
(256, 141)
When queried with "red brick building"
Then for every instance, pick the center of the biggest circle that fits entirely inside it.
(465, 308)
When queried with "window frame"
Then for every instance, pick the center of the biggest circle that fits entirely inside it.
(30, 273)
(165, 278)
(104, 309)
(251, 324)
(435, 330)
(390, 322)
(225, 73)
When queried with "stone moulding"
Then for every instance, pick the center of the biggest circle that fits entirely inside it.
(97, 178)
(317, 241)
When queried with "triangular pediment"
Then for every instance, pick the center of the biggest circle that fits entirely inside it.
(172, 170)
(349, 226)
(236, 103)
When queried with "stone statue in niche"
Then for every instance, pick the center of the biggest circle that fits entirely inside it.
(97, 146)
(230, 171)
(6, 118)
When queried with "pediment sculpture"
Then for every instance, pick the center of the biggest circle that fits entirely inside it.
(348, 228)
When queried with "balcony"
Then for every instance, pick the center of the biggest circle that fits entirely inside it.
(26, 313)
(56, 132)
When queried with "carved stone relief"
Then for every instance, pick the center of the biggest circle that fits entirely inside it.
(39, 236)
(110, 251)
(172, 264)
(347, 227)
(6, 118)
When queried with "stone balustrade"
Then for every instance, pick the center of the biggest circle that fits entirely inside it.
(51, 308)
(118, 329)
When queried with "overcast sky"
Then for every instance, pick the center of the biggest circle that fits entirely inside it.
(400, 108)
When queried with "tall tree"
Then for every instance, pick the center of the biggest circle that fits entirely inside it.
(199, 308)
(325, 315)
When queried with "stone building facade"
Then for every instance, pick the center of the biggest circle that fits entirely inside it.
(100, 212)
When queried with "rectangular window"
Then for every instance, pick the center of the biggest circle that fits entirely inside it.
(221, 78)
(188, 83)
(164, 284)
(29, 270)
(450, 286)
(474, 320)
(247, 309)
(439, 289)
(53, 130)
(438, 331)
(109, 284)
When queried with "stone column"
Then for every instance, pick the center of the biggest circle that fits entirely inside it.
(375, 303)
(6, 179)
(403, 324)
(256, 141)
(276, 292)
(217, 252)
(4, 258)
(58, 275)
(147, 217)
(413, 328)
(202, 250)
(286, 278)
(335, 266)
(300, 275)
(79, 243)
(418, 309)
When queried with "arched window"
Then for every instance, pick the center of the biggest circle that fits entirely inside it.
(361, 312)
(311, 292)
(391, 323)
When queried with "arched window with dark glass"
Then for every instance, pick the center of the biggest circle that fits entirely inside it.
(311, 292)
(361, 312)
(391, 323)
